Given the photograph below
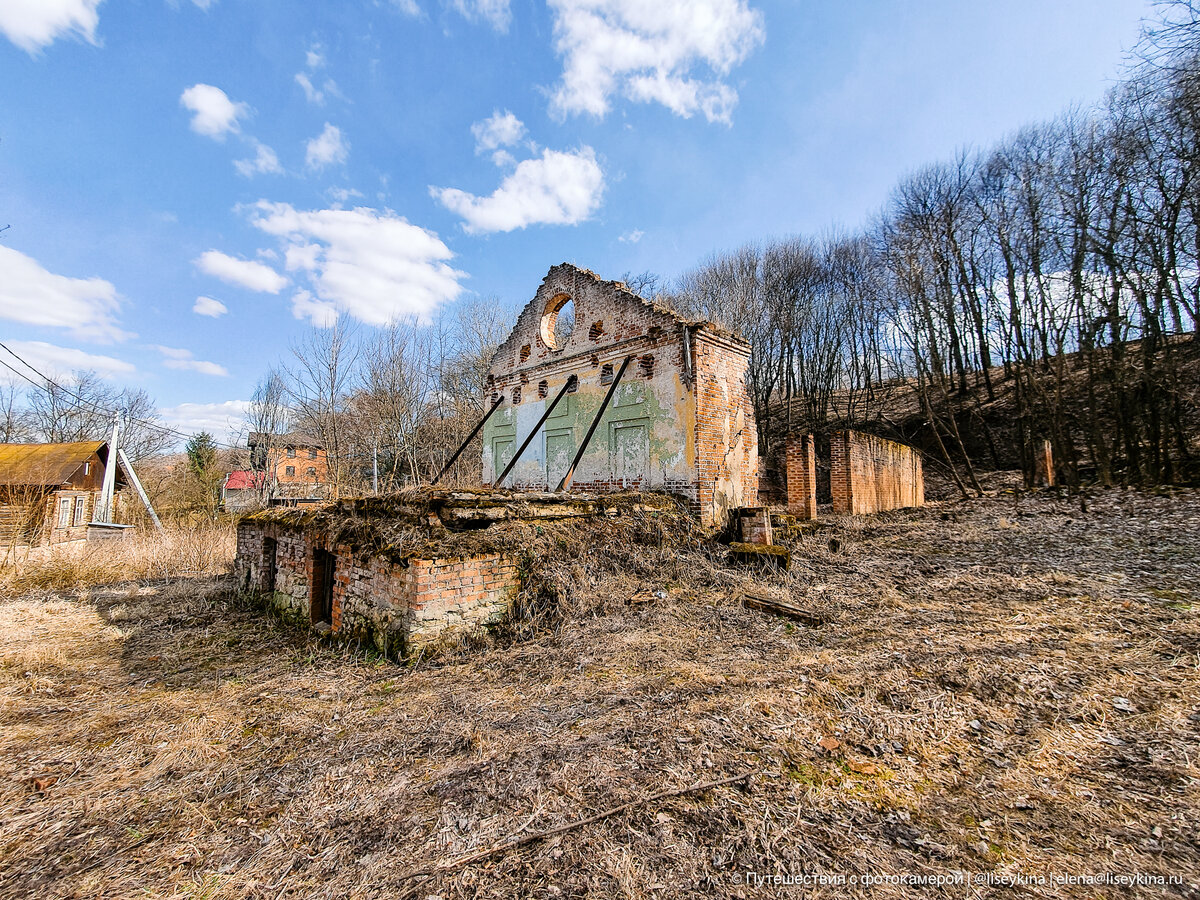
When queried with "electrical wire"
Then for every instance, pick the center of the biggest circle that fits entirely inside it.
(95, 407)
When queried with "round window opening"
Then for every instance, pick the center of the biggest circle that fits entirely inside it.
(558, 322)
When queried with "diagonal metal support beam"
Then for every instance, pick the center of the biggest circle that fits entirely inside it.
(587, 438)
(137, 484)
(536, 428)
(470, 437)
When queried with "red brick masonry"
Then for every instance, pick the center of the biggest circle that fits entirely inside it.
(392, 606)
(802, 476)
(869, 474)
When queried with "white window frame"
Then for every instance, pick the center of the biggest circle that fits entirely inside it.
(64, 512)
(80, 510)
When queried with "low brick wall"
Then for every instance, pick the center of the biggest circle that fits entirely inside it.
(448, 595)
(411, 568)
(870, 474)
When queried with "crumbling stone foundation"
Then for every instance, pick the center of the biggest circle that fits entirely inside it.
(406, 572)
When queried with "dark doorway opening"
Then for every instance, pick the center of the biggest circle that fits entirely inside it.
(321, 605)
(270, 550)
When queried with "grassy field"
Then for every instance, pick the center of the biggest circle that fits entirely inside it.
(1003, 687)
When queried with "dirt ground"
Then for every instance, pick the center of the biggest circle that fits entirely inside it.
(1002, 688)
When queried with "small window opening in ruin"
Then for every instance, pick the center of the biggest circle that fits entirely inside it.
(289, 470)
(516, 395)
(558, 321)
(543, 389)
(312, 453)
(572, 384)
(324, 570)
(495, 396)
(291, 452)
(269, 564)
(597, 329)
(525, 351)
(606, 374)
(311, 471)
(524, 378)
(655, 332)
(595, 360)
(491, 379)
(646, 365)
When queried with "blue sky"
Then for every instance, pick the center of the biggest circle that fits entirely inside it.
(190, 185)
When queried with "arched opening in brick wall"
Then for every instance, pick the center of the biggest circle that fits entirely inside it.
(558, 321)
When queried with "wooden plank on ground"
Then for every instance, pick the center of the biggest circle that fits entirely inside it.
(776, 606)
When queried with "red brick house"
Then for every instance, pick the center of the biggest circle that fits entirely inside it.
(49, 492)
(294, 465)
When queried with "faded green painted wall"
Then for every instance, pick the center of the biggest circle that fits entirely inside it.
(645, 438)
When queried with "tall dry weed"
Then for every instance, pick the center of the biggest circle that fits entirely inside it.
(178, 552)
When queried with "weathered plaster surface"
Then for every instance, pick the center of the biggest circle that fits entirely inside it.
(680, 419)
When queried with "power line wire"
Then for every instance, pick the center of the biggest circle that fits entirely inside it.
(51, 383)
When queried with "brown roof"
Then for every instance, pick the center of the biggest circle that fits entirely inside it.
(46, 464)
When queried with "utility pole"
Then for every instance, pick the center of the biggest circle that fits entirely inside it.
(375, 468)
(105, 511)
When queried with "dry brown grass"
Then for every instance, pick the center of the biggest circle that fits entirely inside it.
(1011, 685)
(147, 555)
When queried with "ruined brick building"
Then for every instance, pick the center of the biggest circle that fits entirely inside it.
(679, 420)
(636, 399)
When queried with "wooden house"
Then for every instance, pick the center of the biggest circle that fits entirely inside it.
(50, 492)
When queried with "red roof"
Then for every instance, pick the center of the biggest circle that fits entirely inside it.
(244, 479)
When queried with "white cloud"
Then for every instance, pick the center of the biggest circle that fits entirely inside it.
(310, 92)
(498, 130)
(321, 313)
(33, 24)
(314, 60)
(214, 114)
(326, 148)
(648, 51)
(556, 189)
(207, 306)
(175, 358)
(495, 12)
(408, 7)
(32, 295)
(631, 237)
(246, 273)
(59, 362)
(370, 264)
(341, 195)
(265, 162)
(224, 421)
